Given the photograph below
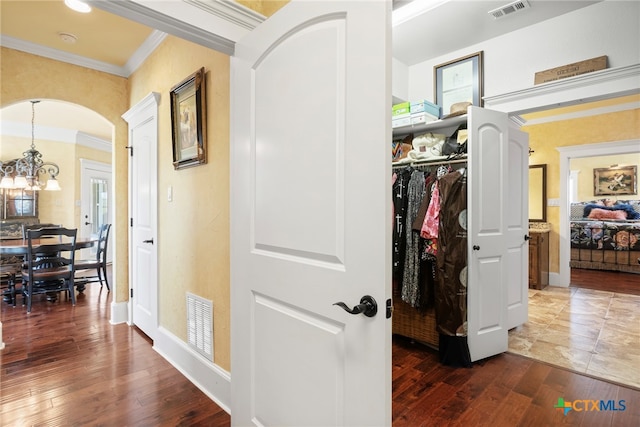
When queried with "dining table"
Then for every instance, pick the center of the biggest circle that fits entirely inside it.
(14, 251)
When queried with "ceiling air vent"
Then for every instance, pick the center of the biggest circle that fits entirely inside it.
(510, 8)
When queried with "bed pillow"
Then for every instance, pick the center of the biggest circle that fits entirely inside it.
(607, 214)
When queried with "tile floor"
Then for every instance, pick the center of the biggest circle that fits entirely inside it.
(587, 331)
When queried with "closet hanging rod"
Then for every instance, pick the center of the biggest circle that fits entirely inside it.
(428, 163)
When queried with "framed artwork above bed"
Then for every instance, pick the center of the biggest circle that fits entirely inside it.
(613, 181)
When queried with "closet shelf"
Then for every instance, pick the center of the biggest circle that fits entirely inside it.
(430, 127)
(416, 163)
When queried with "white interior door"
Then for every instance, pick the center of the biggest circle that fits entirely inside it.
(311, 217)
(518, 229)
(487, 280)
(143, 173)
(95, 202)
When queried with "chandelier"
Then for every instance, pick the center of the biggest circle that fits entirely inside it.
(29, 167)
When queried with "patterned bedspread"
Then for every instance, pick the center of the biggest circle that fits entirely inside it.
(605, 235)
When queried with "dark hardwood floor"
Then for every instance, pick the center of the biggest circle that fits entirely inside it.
(67, 366)
(609, 281)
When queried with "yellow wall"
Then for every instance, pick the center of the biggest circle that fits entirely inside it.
(194, 228)
(264, 7)
(544, 138)
(24, 76)
(53, 206)
(586, 165)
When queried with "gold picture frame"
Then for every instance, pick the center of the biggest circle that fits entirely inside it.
(189, 121)
(615, 181)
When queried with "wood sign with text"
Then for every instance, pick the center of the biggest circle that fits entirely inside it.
(571, 70)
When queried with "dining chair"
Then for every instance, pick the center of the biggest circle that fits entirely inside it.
(10, 266)
(50, 266)
(27, 227)
(99, 263)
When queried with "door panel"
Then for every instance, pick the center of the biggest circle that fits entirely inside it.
(518, 228)
(487, 292)
(143, 206)
(310, 218)
(143, 173)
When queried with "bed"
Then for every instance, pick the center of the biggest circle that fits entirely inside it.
(605, 235)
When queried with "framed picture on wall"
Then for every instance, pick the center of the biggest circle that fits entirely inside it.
(189, 121)
(459, 80)
(614, 181)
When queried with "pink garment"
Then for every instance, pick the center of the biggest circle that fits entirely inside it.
(431, 219)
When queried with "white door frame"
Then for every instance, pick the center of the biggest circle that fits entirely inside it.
(144, 111)
(86, 166)
(563, 277)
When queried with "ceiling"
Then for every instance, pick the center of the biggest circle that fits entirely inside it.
(114, 44)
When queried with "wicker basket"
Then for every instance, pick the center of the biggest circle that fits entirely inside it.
(414, 324)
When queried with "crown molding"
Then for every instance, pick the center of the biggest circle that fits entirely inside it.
(143, 52)
(165, 22)
(595, 86)
(68, 136)
(230, 11)
(59, 55)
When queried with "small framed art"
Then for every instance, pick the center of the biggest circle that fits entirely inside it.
(189, 121)
(459, 80)
(613, 181)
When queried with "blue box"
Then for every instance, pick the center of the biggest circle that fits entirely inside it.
(425, 106)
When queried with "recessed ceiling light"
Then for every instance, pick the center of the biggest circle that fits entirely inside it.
(78, 6)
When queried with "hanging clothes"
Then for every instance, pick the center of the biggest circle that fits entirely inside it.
(451, 284)
(400, 187)
(410, 280)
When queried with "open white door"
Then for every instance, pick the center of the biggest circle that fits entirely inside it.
(143, 205)
(518, 229)
(487, 281)
(311, 217)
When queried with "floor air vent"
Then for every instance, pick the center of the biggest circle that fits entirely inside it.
(200, 325)
(510, 8)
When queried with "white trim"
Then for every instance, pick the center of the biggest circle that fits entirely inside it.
(60, 55)
(167, 21)
(119, 313)
(230, 11)
(585, 113)
(604, 84)
(50, 133)
(149, 101)
(210, 378)
(563, 277)
(91, 141)
(143, 52)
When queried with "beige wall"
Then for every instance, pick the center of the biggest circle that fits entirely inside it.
(193, 229)
(544, 138)
(25, 76)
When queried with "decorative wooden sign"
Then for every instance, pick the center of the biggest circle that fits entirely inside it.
(571, 70)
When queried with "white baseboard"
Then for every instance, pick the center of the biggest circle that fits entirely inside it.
(554, 280)
(119, 312)
(214, 381)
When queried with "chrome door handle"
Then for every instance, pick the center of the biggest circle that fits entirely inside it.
(148, 241)
(367, 306)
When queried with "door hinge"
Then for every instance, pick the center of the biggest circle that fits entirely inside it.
(131, 222)
(131, 292)
(130, 148)
(389, 308)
